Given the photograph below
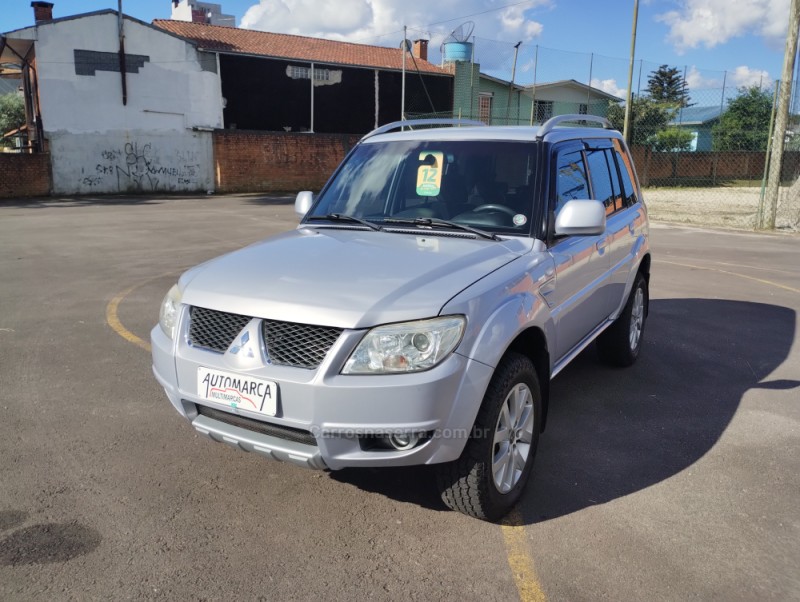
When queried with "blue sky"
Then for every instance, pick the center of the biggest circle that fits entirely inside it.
(704, 37)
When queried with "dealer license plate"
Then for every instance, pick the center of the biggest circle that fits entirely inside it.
(238, 391)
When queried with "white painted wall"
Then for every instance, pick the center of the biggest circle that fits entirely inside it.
(170, 92)
(182, 11)
(83, 116)
(129, 161)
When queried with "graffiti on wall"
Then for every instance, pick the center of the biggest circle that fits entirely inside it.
(142, 168)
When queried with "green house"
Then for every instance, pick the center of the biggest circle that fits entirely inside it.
(495, 101)
(699, 121)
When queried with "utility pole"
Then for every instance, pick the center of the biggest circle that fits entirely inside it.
(781, 120)
(511, 83)
(629, 96)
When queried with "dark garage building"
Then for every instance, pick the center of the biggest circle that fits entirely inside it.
(266, 80)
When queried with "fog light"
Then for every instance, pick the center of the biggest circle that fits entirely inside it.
(403, 441)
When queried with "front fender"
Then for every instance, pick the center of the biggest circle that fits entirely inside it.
(501, 306)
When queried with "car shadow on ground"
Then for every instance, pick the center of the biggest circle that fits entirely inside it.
(612, 432)
(409, 484)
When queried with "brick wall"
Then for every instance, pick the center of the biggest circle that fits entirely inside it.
(687, 168)
(24, 175)
(251, 161)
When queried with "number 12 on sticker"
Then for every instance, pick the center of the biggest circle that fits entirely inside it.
(429, 173)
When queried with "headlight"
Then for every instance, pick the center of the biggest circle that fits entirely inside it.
(406, 347)
(168, 316)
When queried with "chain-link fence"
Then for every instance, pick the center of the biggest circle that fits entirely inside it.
(701, 139)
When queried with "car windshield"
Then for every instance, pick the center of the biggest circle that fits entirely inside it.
(482, 184)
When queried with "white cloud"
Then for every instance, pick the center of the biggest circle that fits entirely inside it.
(697, 81)
(747, 77)
(609, 86)
(307, 17)
(381, 21)
(713, 22)
(741, 76)
(515, 23)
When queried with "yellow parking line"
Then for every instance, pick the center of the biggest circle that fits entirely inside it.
(520, 559)
(761, 280)
(744, 265)
(112, 318)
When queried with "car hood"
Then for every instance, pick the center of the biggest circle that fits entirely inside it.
(346, 278)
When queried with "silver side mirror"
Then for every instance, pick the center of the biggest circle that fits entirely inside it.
(581, 218)
(303, 203)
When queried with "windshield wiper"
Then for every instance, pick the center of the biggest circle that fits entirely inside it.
(433, 221)
(338, 217)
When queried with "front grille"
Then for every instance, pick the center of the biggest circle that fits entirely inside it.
(287, 433)
(298, 345)
(214, 330)
(288, 344)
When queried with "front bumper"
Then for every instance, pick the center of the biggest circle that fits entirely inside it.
(338, 411)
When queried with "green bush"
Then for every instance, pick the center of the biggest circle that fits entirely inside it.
(671, 140)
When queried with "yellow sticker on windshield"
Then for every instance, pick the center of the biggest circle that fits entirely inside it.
(429, 173)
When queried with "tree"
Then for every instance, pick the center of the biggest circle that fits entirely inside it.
(12, 112)
(745, 124)
(666, 84)
(648, 117)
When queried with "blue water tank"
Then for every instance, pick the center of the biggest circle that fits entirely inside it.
(457, 51)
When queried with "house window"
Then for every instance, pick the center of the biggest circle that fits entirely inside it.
(544, 110)
(296, 72)
(485, 108)
(583, 109)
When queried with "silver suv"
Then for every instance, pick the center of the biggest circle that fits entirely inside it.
(432, 290)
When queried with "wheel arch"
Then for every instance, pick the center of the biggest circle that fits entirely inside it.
(644, 267)
(644, 270)
(532, 343)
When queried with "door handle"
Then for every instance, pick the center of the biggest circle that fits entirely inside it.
(601, 245)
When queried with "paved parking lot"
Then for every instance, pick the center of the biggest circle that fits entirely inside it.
(675, 479)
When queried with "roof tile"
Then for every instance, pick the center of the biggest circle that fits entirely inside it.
(279, 45)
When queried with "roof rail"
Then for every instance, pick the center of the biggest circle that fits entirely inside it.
(410, 123)
(551, 123)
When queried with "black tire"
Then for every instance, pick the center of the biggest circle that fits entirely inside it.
(468, 484)
(616, 344)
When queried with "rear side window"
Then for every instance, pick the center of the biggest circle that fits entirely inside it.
(626, 171)
(605, 179)
(571, 181)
